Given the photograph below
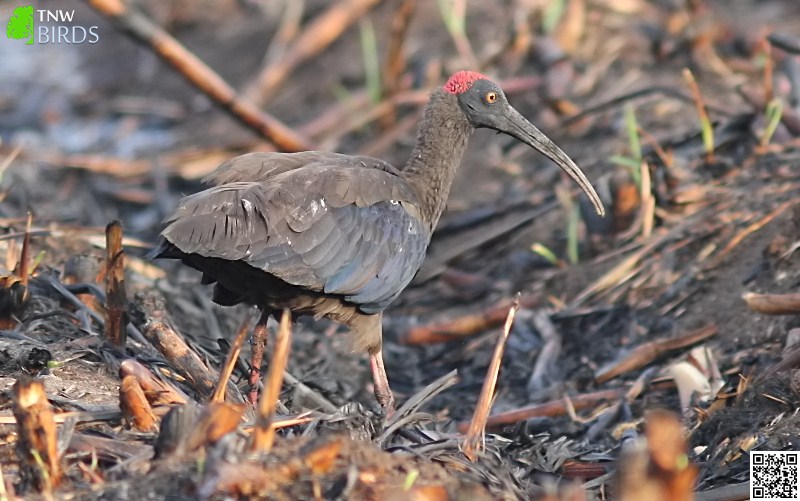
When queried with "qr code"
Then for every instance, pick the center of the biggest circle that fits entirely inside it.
(773, 475)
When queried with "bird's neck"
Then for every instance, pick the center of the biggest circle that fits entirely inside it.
(441, 142)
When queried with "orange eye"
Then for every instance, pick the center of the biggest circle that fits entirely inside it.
(491, 97)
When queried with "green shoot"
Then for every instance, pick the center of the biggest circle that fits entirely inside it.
(410, 480)
(633, 162)
(341, 93)
(454, 13)
(43, 471)
(546, 253)
(36, 261)
(773, 114)
(369, 53)
(632, 127)
(552, 14)
(571, 209)
(572, 234)
(454, 22)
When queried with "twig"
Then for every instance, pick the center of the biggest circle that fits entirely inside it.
(142, 29)
(752, 228)
(230, 360)
(180, 356)
(467, 325)
(116, 311)
(317, 35)
(773, 304)
(263, 432)
(473, 442)
(550, 409)
(648, 352)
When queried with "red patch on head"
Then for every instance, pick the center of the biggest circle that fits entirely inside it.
(462, 81)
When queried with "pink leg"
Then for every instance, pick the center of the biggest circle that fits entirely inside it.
(382, 391)
(259, 343)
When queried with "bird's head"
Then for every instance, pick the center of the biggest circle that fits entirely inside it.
(485, 105)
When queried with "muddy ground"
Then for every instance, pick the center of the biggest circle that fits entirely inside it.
(93, 133)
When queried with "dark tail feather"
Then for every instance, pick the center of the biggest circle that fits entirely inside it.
(164, 250)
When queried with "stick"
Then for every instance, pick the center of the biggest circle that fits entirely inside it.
(180, 356)
(468, 325)
(550, 409)
(116, 314)
(474, 439)
(648, 352)
(230, 361)
(145, 31)
(317, 35)
(773, 304)
(752, 228)
(263, 432)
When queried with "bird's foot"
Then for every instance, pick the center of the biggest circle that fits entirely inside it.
(383, 393)
(386, 402)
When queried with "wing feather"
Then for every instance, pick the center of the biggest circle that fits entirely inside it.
(325, 222)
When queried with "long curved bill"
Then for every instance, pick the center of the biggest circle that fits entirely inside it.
(519, 127)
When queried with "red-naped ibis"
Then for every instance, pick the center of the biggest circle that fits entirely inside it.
(340, 236)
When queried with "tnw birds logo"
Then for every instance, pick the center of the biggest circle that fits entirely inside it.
(48, 26)
(20, 26)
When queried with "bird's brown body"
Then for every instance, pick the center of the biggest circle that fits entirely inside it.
(337, 236)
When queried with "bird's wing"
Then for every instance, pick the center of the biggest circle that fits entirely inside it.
(344, 230)
(260, 166)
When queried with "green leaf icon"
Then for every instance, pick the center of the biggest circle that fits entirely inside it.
(20, 26)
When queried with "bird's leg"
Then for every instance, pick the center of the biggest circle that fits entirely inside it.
(258, 344)
(383, 393)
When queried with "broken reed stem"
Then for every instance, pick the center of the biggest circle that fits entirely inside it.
(180, 356)
(474, 439)
(116, 315)
(158, 392)
(36, 436)
(134, 405)
(263, 432)
(199, 74)
(230, 360)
